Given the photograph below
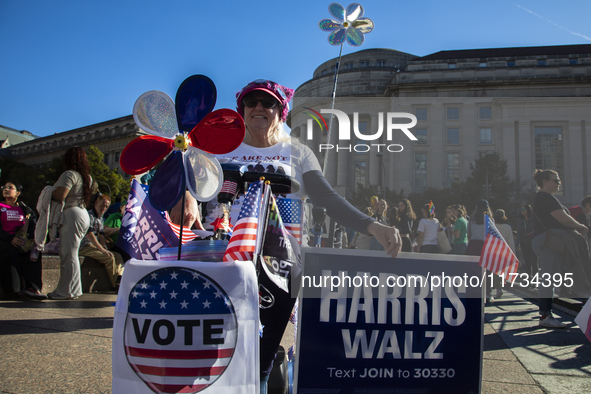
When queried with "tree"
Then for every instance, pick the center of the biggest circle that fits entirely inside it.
(117, 185)
(489, 180)
(33, 180)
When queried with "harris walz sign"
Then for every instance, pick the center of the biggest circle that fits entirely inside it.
(371, 324)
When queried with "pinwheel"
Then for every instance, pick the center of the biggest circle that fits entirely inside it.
(349, 24)
(189, 134)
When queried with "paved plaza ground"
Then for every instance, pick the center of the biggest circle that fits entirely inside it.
(65, 347)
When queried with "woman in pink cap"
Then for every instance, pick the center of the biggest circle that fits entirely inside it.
(264, 105)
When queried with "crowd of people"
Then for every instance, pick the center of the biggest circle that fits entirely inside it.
(79, 230)
(462, 234)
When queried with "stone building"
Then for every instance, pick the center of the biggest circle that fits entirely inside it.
(531, 105)
(10, 136)
(109, 137)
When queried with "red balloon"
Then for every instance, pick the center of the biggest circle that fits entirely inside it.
(219, 132)
(143, 153)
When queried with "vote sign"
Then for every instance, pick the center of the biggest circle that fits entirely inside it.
(177, 330)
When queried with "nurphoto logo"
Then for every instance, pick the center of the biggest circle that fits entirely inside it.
(392, 120)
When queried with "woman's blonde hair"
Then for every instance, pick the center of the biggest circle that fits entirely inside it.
(282, 135)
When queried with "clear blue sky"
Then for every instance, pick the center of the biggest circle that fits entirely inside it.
(72, 63)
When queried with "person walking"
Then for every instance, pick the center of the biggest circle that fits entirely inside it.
(72, 187)
(550, 217)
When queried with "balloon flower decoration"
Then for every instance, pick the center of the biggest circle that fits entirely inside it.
(189, 134)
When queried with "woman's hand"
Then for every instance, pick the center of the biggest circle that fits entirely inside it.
(17, 242)
(389, 237)
(567, 220)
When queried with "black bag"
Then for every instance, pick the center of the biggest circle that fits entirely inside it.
(21, 233)
(554, 242)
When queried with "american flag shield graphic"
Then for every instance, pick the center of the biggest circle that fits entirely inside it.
(180, 331)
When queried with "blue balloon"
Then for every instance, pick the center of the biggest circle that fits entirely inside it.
(168, 185)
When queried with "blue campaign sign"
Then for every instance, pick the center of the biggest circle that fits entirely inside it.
(371, 324)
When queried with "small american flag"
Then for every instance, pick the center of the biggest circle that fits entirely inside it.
(245, 240)
(180, 331)
(229, 187)
(188, 234)
(496, 255)
(291, 214)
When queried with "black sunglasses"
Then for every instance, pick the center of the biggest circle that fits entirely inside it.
(252, 102)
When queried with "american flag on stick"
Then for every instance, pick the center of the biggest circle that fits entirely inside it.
(496, 255)
(188, 234)
(247, 234)
(291, 214)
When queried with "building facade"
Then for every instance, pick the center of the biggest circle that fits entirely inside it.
(109, 137)
(531, 105)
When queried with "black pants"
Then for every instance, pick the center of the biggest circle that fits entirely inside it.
(406, 244)
(13, 265)
(530, 259)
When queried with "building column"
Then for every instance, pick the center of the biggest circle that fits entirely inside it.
(374, 163)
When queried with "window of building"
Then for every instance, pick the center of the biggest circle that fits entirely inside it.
(421, 113)
(482, 64)
(451, 66)
(549, 149)
(573, 61)
(420, 172)
(542, 62)
(106, 159)
(421, 135)
(511, 63)
(381, 63)
(485, 113)
(349, 66)
(486, 136)
(453, 168)
(117, 154)
(324, 72)
(364, 63)
(453, 114)
(453, 136)
(360, 167)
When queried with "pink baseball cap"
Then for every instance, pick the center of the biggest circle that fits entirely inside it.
(280, 93)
